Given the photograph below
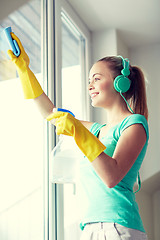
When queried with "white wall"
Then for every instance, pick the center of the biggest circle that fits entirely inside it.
(156, 211)
(148, 58)
(122, 48)
(145, 205)
(104, 43)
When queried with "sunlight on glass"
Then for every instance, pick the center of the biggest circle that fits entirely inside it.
(71, 92)
(71, 89)
(20, 137)
(21, 157)
(21, 131)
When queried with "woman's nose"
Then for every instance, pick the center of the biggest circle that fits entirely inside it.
(91, 85)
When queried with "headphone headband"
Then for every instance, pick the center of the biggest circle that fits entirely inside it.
(125, 62)
(122, 83)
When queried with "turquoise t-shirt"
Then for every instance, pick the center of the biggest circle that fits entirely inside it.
(98, 203)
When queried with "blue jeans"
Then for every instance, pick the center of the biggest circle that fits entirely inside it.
(111, 231)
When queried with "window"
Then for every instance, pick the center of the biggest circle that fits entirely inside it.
(73, 46)
(27, 210)
(70, 63)
(21, 134)
(73, 98)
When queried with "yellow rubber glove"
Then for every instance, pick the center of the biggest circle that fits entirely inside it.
(30, 84)
(68, 125)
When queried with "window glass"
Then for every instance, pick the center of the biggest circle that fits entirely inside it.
(73, 46)
(72, 65)
(21, 134)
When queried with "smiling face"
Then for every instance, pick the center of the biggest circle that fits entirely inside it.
(101, 87)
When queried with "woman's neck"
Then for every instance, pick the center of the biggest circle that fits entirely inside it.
(114, 116)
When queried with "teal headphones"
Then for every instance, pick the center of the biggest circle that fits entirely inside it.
(122, 83)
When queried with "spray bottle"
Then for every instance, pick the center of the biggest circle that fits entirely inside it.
(64, 159)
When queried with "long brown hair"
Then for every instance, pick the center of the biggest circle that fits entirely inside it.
(136, 95)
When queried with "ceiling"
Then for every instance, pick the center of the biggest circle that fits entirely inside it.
(137, 21)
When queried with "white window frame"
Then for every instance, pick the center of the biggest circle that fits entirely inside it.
(52, 64)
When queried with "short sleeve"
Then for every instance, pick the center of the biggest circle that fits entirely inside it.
(135, 119)
(95, 128)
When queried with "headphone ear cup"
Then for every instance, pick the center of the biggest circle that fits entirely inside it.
(125, 72)
(121, 83)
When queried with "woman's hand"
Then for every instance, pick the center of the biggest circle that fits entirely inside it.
(30, 84)
(22, 61)
(68, 125)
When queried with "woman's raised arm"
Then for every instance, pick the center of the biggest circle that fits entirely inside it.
(44, 105)
(30, 84)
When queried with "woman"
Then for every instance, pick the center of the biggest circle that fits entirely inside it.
(113, 152)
